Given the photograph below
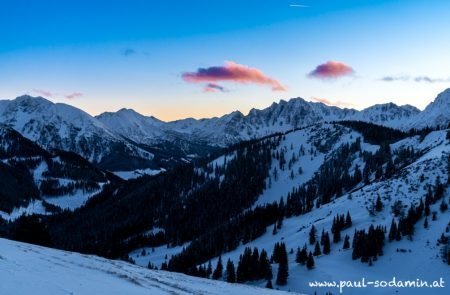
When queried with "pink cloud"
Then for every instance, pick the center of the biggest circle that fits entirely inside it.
(232, 72)
(337, 103)
(45, 93)
(73, 95)
(211, 87)
(331, 70)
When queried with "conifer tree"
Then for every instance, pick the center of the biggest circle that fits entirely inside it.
(348, 220)
(209, 269)
(283, 271)
(264, 267)
(310, 261)
(378, 204)
(336, 236)
(346, 242)
(219, 269)
(317, 250)
(269, 284)
(326, 244)
(393, 231)
(312, 235)
(231, 274)
(302, 255)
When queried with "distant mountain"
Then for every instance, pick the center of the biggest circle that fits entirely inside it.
(435, 114)
(126, 140)
(33, 180)
(234, 127)
(63, 127)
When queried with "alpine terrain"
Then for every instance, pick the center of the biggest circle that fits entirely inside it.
(300, 197)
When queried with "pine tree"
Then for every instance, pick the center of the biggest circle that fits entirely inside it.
(378, 204)
(317, 250)
(209, 269)
(348, 220)
(336, 236)
(427, 209)
(312, 235)
(310, 261)
(326, 244)
(264, 267)
(231, 274)
(254, 265)
(274, 231)
(276, 253)
(283, 271)
(269, 284)
(346, 242)
(443, 207)
(393, 231)
(302, 255)
(279, 222)
(219, 270)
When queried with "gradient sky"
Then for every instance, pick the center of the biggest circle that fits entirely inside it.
(146, 55)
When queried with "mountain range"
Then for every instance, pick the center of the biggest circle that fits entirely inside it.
(126, 140)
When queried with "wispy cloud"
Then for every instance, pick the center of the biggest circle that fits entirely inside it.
(425, 79)
(73, 95)
(298, 5)
(211, 87)
(47, 93)
(331, 70)
(43, 92)
(337, 103)
(394, 78)
(128, 52)
(430, 80)
(232, 72)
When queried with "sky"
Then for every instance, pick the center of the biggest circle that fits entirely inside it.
(177, 59)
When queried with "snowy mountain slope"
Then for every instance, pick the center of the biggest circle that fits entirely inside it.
(234, 127)
(30, 269)
(388, 114)
(418, 258)
(31, 175)
(127, 139)
(307, 149)
(279, 117)
(131, 124)
(60, 126)
(436, 113)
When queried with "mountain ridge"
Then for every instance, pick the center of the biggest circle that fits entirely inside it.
(130, 135)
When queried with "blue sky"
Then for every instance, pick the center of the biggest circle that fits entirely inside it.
(107, 55)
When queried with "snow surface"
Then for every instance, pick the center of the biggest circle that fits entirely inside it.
(74, 200)
(34, 207)
(422, 259)
(30, 269)
(137, 173)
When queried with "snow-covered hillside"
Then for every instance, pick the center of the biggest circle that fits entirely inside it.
(30, 269)
(436, 113)
(61, 126)
(33, 179)
(279, 117)
(408, 259)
